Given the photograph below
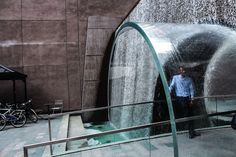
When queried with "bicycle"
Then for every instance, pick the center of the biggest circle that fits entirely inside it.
(16, 118)
(29, 112)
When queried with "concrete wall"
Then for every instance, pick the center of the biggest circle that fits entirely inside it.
(60, 45)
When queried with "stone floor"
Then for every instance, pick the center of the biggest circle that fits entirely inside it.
(13, 139)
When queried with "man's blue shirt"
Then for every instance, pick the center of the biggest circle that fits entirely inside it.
(183, 86)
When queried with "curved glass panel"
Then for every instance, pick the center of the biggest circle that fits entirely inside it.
(130, 82)
(145, 58)
(132, 79)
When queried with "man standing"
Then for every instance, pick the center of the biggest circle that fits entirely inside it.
(184, 91)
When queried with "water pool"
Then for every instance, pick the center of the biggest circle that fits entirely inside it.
(92, 128)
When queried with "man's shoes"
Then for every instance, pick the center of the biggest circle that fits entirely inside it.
(194, 134)
(191, 136)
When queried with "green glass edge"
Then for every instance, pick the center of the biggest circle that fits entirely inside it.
(161, 71)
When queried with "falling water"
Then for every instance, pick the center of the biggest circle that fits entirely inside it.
(207, 51)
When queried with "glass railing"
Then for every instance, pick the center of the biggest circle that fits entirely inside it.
(92, 135)
(212, 117)
(212, 135)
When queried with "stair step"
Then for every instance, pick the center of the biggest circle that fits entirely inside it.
(76, 128)
(62, 133)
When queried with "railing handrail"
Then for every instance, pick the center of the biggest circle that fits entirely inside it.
(136, 104)
(129, 128)
(215, 96)
(135, 140)
(26, 147)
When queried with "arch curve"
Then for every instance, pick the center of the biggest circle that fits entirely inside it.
(158, 66)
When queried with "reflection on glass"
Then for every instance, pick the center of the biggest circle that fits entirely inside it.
(208, 53)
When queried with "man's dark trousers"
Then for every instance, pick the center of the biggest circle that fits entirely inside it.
(183, 109)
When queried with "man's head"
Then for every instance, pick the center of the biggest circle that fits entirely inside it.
(182, 71)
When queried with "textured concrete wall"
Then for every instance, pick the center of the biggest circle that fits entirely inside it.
(60, 45)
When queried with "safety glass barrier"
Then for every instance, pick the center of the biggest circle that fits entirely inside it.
(209, 133)
(140, 147)
(206, 106)
(220, 104)
(164, 144)
(137, 147)
(110, 139)
(69, 125)
(151, 146)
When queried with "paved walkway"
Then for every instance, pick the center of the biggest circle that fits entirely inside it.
(213, 143)
(13, 139)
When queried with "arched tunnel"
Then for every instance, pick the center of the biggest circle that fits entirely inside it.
(144, 58)
(195, 52)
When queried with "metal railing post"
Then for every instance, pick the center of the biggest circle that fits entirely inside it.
(217, 119)
(25, 152)
(50, 132)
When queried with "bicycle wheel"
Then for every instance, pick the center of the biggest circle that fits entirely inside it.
(20, 120)
(2, 122)
(32, 115)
